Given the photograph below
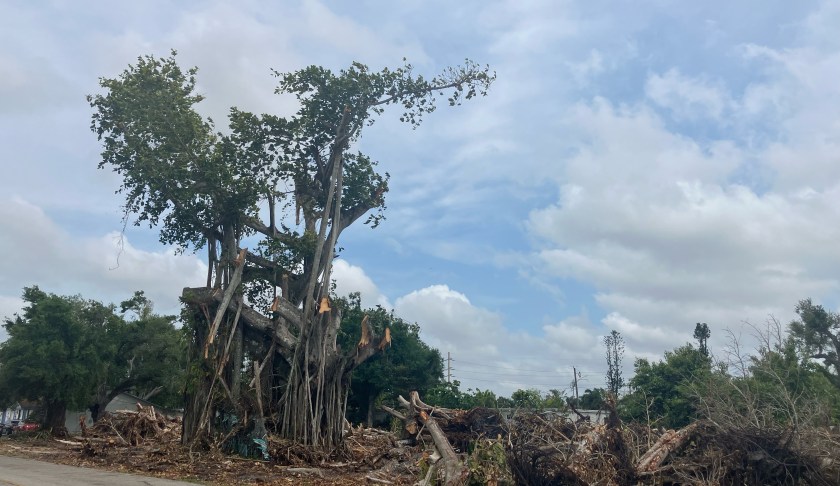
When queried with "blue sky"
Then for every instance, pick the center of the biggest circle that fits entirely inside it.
(638, 166)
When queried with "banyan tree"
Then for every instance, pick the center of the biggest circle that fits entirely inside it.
(267, 200)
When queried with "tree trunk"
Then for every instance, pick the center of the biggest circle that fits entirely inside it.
(55, 418)
(237, 356)
(316, 394)
(100, 401)
(370, 402)
(197, 391)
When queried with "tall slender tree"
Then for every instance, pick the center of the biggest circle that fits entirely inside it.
(290, 184)
(614, 344)
(702, 334)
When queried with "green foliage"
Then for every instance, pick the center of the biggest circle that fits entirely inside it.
(817, 332)
(407, 364)
(591, 399)
(53, 351)
(173, 169)
(664, 393)
(778, 387)
(73, 351)
(482, 398)
(554, 399)
(702, 334)
(447, 395)
(151, 355)
(487, 462)
(786, 383)
(530, 399)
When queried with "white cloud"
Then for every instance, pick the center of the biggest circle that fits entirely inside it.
(351, 278)
(687, 97)
(487, 354)
(656, 221)
(40, 253)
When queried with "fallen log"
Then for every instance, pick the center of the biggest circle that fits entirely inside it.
(670, 442)
(455, 470)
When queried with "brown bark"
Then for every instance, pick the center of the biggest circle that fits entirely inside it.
(418, 413)
(55, 416)
(670, 442)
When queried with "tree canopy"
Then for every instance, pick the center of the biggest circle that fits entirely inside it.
(72, 352)
(817, 332)
(664, 393)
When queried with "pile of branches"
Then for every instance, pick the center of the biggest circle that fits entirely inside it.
(131, 428)
(550, 449)
(547, 449)
(707, 453)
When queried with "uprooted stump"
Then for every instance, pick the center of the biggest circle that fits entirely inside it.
(445, 464)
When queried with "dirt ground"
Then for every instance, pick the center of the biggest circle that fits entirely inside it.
(171, 461)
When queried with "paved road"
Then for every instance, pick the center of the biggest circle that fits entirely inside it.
(15, 471)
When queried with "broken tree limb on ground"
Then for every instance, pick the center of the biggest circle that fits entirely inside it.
(454, 469)
(670, 442)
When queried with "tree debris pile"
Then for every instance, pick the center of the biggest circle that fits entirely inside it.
(126, 427)
(704, 453)
(448, 447)
(464, 427)
(556, 451)
(550, 449)
(547, 449)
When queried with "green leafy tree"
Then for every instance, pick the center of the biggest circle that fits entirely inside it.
(71, 352)
(665, 393)
(591, 399)
(448, 395)
(817, 332)
(146, 357)
(405, 365)
(204, 189)
(484, 398)
(53, 354)
(530, 399)
(775, 388)
(702, 334)
(614, 344)
(555, 399)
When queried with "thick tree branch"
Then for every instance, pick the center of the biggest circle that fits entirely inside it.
(252, 318)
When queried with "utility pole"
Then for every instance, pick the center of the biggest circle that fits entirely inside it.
(574, 370)
(448, 367)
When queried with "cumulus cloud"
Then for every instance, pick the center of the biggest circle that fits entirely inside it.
(106, 268)
(488, 354)
(678, 171)
(666, 225)
(351, 278)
